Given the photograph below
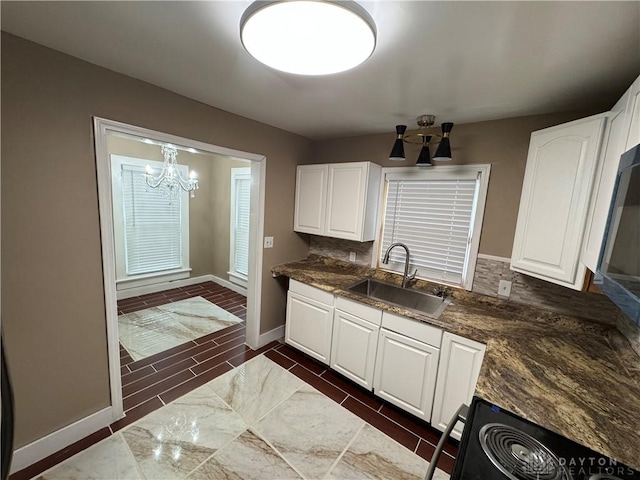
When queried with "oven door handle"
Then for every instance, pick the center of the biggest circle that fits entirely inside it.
(460, 416)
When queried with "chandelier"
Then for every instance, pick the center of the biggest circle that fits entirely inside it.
(169, 180)
(423, 136)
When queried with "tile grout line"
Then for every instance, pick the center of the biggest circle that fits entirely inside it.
(337, 460)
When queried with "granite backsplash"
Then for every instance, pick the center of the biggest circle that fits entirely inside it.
(524, 289)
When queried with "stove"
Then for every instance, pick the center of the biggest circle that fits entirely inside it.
(499, 445)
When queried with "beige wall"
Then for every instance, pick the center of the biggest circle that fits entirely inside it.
(502, 143)
(221, 213)
(52, 289)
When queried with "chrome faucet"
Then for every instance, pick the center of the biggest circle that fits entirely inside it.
(406, 278)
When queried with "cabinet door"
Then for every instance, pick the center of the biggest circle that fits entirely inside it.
(460, 361)
(612, 148)
(405, 373)
(309, 325)
(311, 199)
(353, 348)
(633, 116)
(346, 195)
(555, 201)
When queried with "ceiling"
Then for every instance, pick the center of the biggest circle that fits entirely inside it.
(461, 61)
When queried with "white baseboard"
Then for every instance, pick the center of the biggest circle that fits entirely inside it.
(271, 336)
(493, 257)
(228, 284)
(26, 456)
(159, 287)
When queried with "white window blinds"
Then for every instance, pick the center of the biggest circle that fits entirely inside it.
(241, 203)
(434, 218)
(152, 226)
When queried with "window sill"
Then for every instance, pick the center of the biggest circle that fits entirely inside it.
(152, 279)
(238, 279)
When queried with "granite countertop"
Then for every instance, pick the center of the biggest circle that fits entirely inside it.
(577, 378)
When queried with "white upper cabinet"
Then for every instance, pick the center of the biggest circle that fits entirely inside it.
(338, 200)
(554, 206)
(622, 133)
(311, 199)
(633, 116)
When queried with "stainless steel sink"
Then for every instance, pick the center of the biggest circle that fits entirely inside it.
(424, 303)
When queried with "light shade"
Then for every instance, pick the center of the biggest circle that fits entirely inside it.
(308, 37)
(443, 153)
(424, 159)
(397, 152)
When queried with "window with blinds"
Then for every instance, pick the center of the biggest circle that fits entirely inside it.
(434, 213)
(151, 231)
(240, 213)
(152, 226)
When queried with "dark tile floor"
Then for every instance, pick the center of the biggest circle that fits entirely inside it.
(152, 382)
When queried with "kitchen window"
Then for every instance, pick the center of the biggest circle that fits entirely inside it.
(151, 231)
(438, 214)
(240, 214)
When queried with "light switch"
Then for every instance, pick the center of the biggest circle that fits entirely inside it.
(268, 242)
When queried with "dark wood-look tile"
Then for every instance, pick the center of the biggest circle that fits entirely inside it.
(136, 413)
(156, 389)
(54, 459)
(302, 359)
(124, 370)
(382, 423)
(137, 375)
(417, 426)
(156, 377)
(209, 350)
(126, 360)
(158, 357)
(218, 359)
(220, 333)
(126, 302)
(249, 354)
(352, 389)
(190, 385)
(446, 461)
(280, 359)
(331, 391)
(228, 336)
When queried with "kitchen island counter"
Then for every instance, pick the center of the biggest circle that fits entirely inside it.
(577, 378)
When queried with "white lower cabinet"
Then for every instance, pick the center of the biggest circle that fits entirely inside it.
(406, 362)
(310, 322)
(405, 373)
(353, 348)
(460, 362)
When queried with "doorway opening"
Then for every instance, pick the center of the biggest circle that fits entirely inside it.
(182, 273)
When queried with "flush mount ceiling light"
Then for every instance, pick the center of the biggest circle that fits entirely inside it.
(308, 37)
(423, 137)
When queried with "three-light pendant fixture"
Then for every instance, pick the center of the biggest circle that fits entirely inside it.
(424, 136)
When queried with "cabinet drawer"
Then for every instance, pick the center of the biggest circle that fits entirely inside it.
(370, 314)
(412, 328)
(311, 292)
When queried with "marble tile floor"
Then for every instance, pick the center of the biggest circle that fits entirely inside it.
(153, 330)
(257, 421)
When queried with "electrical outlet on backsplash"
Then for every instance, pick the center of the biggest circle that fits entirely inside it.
(342, 249)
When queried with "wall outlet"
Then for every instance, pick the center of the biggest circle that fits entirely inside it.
(504, 288)
(268, 242)
(352, 256)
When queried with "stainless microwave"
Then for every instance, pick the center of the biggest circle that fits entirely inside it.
(619, 265)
